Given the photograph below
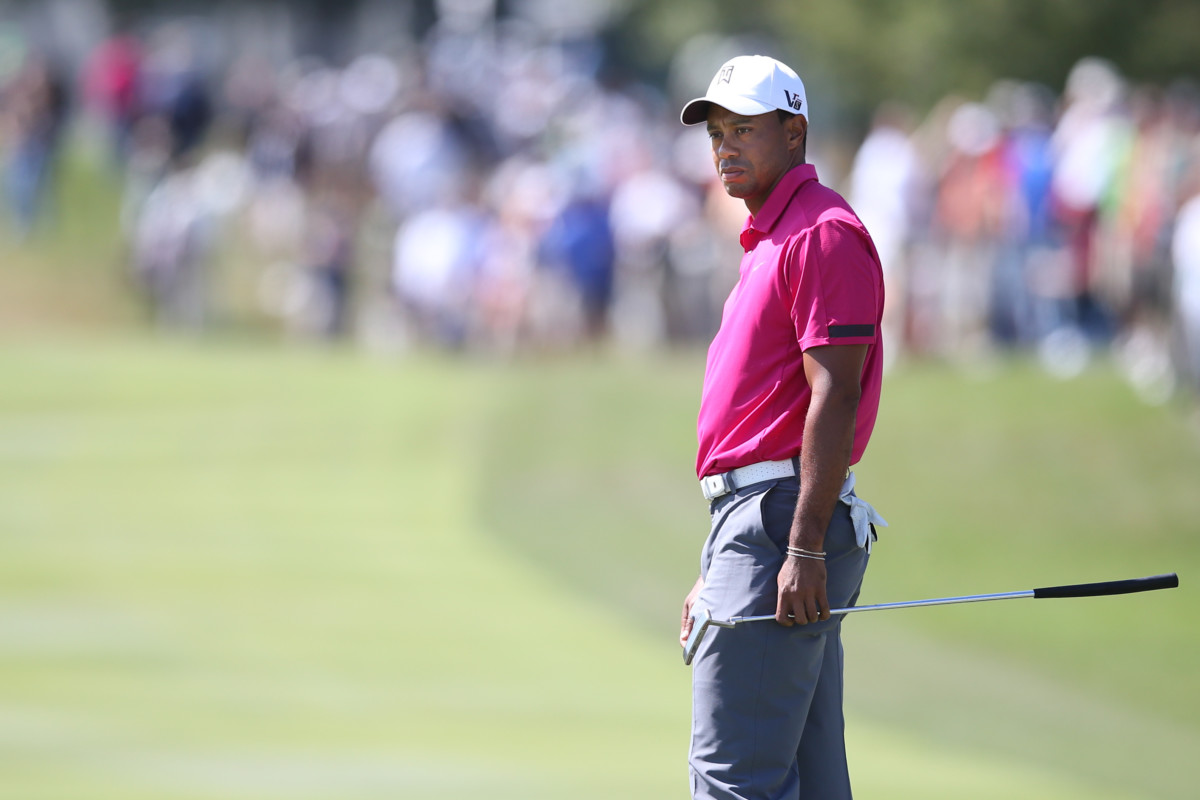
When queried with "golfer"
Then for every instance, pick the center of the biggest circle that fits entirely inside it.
(791, 390)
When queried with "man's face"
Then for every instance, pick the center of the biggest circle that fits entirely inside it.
(751, 153)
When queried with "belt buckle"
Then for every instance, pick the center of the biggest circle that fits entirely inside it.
(715, 486)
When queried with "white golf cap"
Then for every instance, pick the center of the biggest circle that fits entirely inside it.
(750, 85)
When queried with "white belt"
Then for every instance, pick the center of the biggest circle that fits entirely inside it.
(862, 513)
(715, 486)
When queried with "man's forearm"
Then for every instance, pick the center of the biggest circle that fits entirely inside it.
(833, 376)
(824, 457)
(828, 441)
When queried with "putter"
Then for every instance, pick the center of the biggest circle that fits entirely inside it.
(703, 620)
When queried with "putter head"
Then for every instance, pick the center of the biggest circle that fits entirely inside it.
(702, 620)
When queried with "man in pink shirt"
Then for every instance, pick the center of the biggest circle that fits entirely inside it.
(791, 391)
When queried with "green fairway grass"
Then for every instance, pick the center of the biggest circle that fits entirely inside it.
(244, 572)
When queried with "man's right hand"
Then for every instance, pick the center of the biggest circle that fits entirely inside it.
(801, 597)
(685, 625)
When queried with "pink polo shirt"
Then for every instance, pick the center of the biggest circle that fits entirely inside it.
(810, 277)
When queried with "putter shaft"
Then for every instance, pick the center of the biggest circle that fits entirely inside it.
(703, 620)
(937, 601)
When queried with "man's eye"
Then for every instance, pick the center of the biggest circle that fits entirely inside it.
(743, 131)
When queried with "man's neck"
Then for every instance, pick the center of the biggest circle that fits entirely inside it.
(755, 204)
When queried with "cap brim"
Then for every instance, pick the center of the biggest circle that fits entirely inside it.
(696, 111)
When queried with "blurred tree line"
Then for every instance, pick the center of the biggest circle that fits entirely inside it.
(919, 51)
(861, 52)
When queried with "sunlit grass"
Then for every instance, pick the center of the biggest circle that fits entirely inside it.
(234, 572)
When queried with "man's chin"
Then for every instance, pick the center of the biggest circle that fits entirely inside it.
(736, 189)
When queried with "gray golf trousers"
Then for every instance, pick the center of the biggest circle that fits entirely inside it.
(767, 718)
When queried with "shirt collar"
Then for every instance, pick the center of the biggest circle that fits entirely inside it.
(761, 224)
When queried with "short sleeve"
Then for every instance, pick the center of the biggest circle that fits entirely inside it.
(836, 283)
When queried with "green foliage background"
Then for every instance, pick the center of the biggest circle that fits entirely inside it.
(853, 54)
(859, 53)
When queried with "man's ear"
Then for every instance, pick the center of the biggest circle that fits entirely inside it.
(797, 128)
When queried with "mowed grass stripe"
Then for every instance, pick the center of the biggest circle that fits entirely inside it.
(991, 483)
(886, 763)
(294, 605)
(247, 573)
(964, 703)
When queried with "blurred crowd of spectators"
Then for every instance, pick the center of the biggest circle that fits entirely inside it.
(1063, 223)
(490, 187)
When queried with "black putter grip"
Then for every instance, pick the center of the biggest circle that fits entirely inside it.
(1169, 581)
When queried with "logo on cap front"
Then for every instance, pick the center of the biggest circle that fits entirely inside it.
(725, 74)
(793, 100)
